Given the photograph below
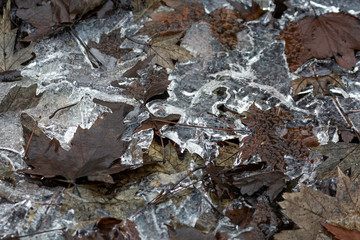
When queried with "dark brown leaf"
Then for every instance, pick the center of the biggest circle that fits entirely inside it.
(182, 233)
(320, 84)
(247, 13)
(110, 44)
(49, 17)
(20, 98)
(93, 150)
(266, 140)
(132, 72)
(10, 76)
(157, 123)
(241, 217)
(329, 35)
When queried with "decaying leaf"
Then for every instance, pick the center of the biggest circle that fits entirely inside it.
(110, 44)
(156, 83)
(173, 22)
(20, 98)
(343, 155)
(342, 233)
(267, 140)
(157, 123)
(329, 35)
(309, 208)
(184, 232)
(132, 72)
(247, 13)
(320, 84)
(50, 17)
(166, 50)
(10, 76)
(8, 59)
(93, 150)
(225, 24)
(141, 7)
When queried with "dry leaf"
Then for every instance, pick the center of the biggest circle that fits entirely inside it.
(342, 233)
(329, 35)
(10, 60)
(308, 208)
(165, 50)
(247, 13)
(320, 84)
(141, 7)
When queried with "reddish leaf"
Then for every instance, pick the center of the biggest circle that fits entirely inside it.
(172, 22)
(93, 150)
(247, 13)
(342, 233)
(266, 141)
(225, 25)
(110, 44)
(329, 35)
(242, 216)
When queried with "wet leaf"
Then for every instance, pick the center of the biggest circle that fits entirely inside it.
(343, 155)
(132, 72)
(173, 22)
(325, 36)
(308, 208)
(93, 150)
(141, 7)
(9, 59)
(10, 76)
(110, 44)
(225, 24)
(320, 84)
(157, 123)
(342, 233)
(50, 17)
(268, 140)
(274, 182)
(247, 13)
(20, 98)
(156, 83)
(166, 50)
(181, 233)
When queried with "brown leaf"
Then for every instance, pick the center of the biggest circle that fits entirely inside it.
(241, 217)
(112, 228)
(8, 59)
(182, 233)
(156, 83)
(110, 44)
(246, 13)
(329, 35)
(172, 22)
(266, 140)
(10, 76)
(166, 50)
(93, 150)
(20, 98)
(225, 25)
(274, 181)
(157, 123)
(132, 72)
(308, 208)
(141, 7)
(320, 84)
(343, 155)
(342, 233)
(49, 17)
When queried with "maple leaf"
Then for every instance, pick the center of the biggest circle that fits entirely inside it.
(308, 208)
(109, 44)
(165, 50)
(329, 35)
(320, 84)
(93, 150)
(266, 140)
(172, 22)
(8, 59)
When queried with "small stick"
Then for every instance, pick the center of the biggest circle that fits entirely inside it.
(62, 108)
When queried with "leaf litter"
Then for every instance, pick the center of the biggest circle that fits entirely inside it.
(174, 181)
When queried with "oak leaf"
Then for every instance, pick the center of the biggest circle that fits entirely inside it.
(166, 50)
(329, 35)
(8, 59)
(309, 208)
(93, 150)
(320, 84)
